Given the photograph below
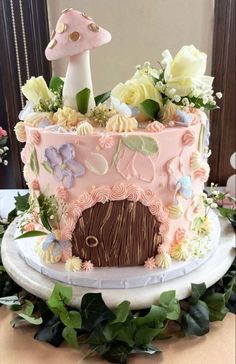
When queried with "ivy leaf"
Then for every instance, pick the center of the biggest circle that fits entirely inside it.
(82, 100)
(71, 319)
(122, 312)
(31, 234)
(70, 336)
(121, 332)
(47, 167)
(97, 337)
(171, 304)
(94, 310)
(196, 322)
(10, 301)
(28, 308)
(216, 304)
(102, 98)
(61, 296)
(198, 291)
(34, 164)
(143, 144)
(51, 331)
(30, 319)
(56, 84)
(151, 108)
(22, 202)
(153, 319)
(145, 335)
(117, 353)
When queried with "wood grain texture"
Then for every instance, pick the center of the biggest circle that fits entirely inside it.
(223, 121)
(126, 232)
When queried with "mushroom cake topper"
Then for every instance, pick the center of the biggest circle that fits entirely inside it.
(75, 35)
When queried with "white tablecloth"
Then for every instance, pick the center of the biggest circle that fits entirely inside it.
(7, 201)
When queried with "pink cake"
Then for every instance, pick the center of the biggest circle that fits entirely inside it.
(119, 183)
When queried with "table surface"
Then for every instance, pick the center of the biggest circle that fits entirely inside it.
(217, 347)
(18, 346)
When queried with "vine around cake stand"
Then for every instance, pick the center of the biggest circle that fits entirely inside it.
(141, 297)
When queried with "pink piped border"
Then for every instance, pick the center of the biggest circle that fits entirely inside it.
(117, 192)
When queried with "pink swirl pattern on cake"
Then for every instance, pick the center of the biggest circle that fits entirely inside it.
(202, 173)
(147, 197)
(62, 193)
(74, 210)
(106, 142)
(118, 192)
(101, 194)
(36, 137)
(155, 126)
(180, 234)
(188, 138)
(133, 193)
(68, 228)
(34, 185)
(85, 201)
(155, 209)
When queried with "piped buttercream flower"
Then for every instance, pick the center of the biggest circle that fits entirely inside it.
(106, 141)
(180, 235)
(29, 227)
(121, 123)
(20, 132)
(188, 138)
(150, 263)
(64, 166)
(179, 251)
(62, 193)
(163, 260)
(73, 264)
(84, 128)
(34, 185)
(155, 127)
(87, 265)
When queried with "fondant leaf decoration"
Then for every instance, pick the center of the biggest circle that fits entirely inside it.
(82, 100)
(31, 234)
(47, 167)
(151, 108)
(70, 336)
(142, 144)
(201, 138)
(97, 164)
(56, 84)
(102, 98)
(34, 164)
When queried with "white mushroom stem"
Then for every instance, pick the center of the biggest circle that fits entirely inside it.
(78, 77)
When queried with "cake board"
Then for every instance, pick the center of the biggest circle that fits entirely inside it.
(140, 297)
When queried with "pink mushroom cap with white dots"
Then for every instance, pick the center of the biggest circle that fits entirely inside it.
(75, 33)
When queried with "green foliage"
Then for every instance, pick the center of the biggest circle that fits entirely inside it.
(102, 98)
(122, 312)
(71, 319)
(56, 84)
(22, 202)
(31, 234)
(198, 291)
(171, 304)
(82, 100)
(61, 296)
(151, 108)
(196, 321)
(216, 303)
(47, 167)
(143, 144)
(48, 208)
(70, 336)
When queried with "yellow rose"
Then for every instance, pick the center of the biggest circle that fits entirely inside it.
(186, 70)
(133, 92)
(36, 89)
(67, 117)
(20, 132)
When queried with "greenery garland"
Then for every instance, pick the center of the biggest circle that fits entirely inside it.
(115, 334)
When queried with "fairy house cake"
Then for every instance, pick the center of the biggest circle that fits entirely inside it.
(116, 180)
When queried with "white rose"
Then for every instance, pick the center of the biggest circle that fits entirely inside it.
(186, 71)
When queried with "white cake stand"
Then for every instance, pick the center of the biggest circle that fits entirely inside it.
(141, 297)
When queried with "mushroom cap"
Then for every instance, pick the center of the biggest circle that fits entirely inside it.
(75, 33)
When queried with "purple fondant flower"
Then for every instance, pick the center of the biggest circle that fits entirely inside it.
(65, 168)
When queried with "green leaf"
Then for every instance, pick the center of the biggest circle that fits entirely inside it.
(121, 331)
(94, 310)
(10, 300)
(47, 167)
(31, 234)
(34, 165)
(145, 335)
(226, 212)
(31, 320)
(71, 319)
(216, 304)
(196, 322)
(117, 353)
(198, 291)
(153, 319)
(56, 84)
(61, 296)
(122, 312)
(102, 98)
(82, 100)
(22, 202)
(151, 108)
(143, 144)
(44, 220)
(28, 308)
(70, 336)
(97, 337)
(148, 349)
(171, 304)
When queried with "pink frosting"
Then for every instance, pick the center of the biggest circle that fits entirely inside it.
(29, 227)
(155, 126)
(101, 194)
(62, 193)
(68, 228)
(180, 234)
(118, 192)
(147, 197)
(133, 193)
(36, 137)
(202, 173)
(150, 263)
(87, 265)
(34, 185)
(188, 138)
(85, 201)
(74, 210)
(106, 141)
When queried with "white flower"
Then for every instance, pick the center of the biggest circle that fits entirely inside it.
(186, 71)
(185, 101)
(177, 98)
(5, 163)
(214, 205)
(192, 104)
(1, 151)
(219, 95)
(205, 100)
(5, 149)
(213, 102)
(172, 91)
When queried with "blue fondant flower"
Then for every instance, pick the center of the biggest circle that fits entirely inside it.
(65, 168)
(59, 245)
(184, 187)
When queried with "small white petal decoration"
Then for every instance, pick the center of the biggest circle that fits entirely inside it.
(97, 164)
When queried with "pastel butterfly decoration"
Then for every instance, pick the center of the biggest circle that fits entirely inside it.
(184, 119)
(123, 108)
(184, 187)
(59, 246)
